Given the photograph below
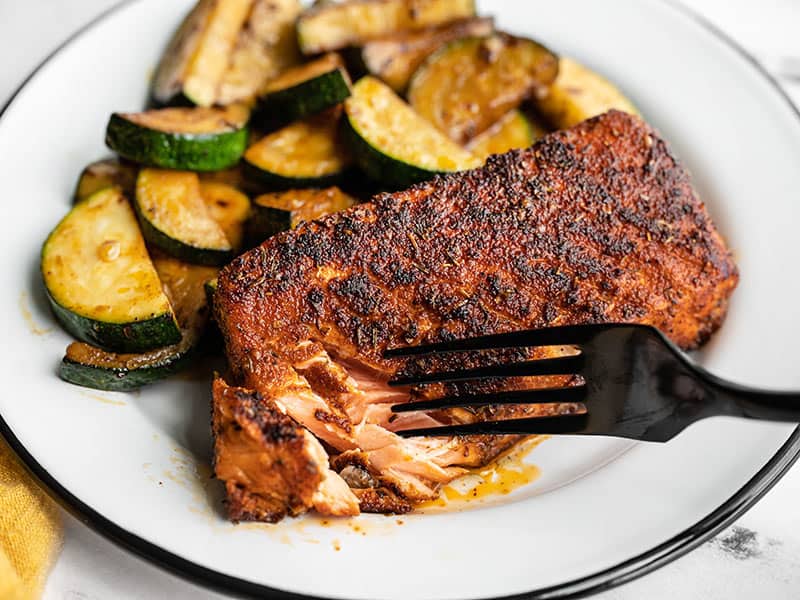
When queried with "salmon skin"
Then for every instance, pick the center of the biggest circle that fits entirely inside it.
(598, 223)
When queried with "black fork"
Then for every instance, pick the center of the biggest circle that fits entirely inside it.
(637, 385)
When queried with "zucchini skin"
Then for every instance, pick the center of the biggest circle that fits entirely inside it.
(136, 336)
(121, 379)
(274, 212)
(302, 100)
(384, 169)
(267, 180)
(265, 222)
(177, 249)
(191, 152)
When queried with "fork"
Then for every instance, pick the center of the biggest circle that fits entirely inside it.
(637, 384)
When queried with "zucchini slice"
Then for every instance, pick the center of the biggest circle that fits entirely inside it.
(174, 217)
(100, 280)
(392, 143)
(92, 367)
(394, 58)
(197, 139)
(306, 153)
(578, 94)
(265, 47)
(193, 65)
(228, 207)
(232, 176)
(469, 84)
(278, 211)
(304, 90)
(513, 131)
(103, 174)
(185, 286)
(350, 23)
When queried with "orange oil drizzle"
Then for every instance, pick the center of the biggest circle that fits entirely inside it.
(502, 476)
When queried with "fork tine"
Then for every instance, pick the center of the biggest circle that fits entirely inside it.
(530, 426)
(550, 336)
(565, 365)
(541, 396)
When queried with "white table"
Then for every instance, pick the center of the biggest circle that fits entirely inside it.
(759, 557)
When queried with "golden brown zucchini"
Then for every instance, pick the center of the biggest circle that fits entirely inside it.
(228, 207)
(512, 131)
(306, 153)
(100, 280)
(394, 58)
(232, 177)
(103, 174)
(92, 367)
(579, 93)
(194, 63)
(350, 23)
(265, 47)
(393, 144)
(184, 284)
(469, 84)
(174, 217)
(278, 211)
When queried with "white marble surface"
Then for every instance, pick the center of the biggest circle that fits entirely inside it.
(759, 557)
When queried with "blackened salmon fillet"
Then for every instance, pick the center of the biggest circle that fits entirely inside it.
(598, 223)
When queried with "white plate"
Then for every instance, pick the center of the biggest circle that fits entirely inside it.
(602, 512)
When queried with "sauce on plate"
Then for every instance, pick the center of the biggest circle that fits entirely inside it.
(502, 476)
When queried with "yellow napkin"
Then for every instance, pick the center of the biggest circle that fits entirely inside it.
(30, 531)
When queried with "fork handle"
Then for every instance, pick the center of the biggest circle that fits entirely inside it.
(753, 403)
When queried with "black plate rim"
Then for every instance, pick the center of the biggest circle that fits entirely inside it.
(728, 512)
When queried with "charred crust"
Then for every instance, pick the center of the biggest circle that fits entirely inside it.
(275, 427)
(382, 500)
(598, 223)
(245, 423)
(338, 420)
(244, 506)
